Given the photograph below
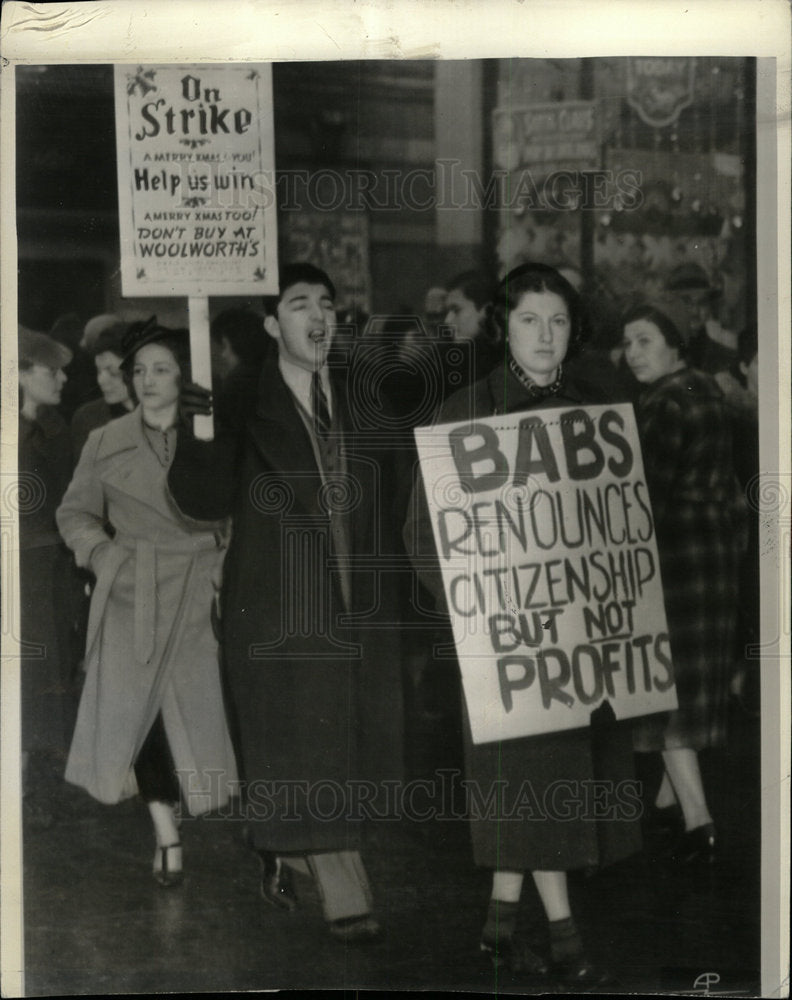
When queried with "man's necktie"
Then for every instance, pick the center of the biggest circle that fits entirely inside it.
(321, 412)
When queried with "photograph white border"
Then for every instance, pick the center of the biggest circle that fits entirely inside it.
(267, 30)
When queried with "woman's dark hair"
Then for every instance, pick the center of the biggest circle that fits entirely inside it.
(664, 324)
(109, 340)
(176, 341)
(536, 278)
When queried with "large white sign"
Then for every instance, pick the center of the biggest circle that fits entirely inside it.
(546, 541)
(196, 184)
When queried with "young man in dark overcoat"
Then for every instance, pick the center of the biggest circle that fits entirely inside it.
(313, 689)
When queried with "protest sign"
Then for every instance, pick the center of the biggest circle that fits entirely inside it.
(196, 183)
(546, 541)
(196, 179)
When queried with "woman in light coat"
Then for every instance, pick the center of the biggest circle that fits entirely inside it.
(151, 717)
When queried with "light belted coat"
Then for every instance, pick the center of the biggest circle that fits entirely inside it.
(150, 645)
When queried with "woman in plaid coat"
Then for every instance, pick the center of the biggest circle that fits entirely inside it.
(698, 512)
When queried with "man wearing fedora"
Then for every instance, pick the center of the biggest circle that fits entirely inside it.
(712, 348)
(314, 691)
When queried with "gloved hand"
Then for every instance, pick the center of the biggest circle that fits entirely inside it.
(194, 400)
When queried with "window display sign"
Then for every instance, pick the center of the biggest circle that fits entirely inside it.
(546, 138)
(196, 179)
(546, 541)
(659, 87)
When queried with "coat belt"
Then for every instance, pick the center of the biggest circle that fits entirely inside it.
(145, 599)
(146, 582)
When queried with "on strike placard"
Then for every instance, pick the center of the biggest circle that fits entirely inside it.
(196, 179)
(546, 541)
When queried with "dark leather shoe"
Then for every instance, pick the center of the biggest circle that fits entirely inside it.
(356, 930)
(277, 886)
(697, 847)
(514, 955)
(665, 819)
(578, 971)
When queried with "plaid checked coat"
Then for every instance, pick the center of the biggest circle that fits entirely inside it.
(700, 521)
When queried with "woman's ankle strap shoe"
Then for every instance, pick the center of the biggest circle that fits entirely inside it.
(168, 865)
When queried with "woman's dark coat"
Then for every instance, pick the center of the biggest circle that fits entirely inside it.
(548, 774)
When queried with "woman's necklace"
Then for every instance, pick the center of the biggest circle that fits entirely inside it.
(534, 390)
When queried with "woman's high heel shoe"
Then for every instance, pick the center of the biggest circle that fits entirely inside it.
(697, 847)
(168, 865)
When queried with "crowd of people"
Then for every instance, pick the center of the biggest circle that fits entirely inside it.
(234, 616)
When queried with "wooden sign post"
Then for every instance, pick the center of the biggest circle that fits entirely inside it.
(200, 359)
(196, 189)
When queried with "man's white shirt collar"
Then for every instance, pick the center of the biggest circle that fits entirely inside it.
(299, 382)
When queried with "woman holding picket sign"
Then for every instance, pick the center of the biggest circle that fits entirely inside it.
(536, 315)
(700, 524)
(151, 717)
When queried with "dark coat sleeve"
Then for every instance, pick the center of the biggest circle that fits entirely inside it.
(202, 476)
(662, 433)
(417, 533)
(420, 544)
(81, 427)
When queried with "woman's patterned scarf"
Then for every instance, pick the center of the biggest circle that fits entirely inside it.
(536, 391)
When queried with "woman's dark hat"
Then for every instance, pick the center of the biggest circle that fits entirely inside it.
(141, 333)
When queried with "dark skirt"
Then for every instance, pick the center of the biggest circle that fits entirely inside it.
(554, 802)
(699, 567)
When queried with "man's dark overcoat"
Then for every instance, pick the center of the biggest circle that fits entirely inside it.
(313, 681)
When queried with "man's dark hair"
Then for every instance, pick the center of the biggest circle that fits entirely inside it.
(290, 275)
(474, 285)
